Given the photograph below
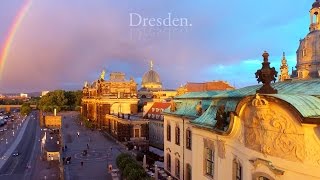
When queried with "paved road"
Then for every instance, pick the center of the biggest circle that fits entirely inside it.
(99, 152)
(6, 137)
(16, 167)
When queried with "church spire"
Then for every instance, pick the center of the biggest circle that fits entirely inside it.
(284, 60)
(284, 70)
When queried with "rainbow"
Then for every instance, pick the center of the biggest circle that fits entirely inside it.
(11, 34)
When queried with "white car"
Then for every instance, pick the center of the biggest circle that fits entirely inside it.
(16, 153)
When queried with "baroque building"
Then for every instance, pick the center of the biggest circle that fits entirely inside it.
(112, 106)
(241, 134)
(308, 53)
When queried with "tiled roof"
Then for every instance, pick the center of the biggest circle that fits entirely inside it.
(159, 105)
(208, 86)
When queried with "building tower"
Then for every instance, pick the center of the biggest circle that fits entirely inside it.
(284, 71)
(308, 53)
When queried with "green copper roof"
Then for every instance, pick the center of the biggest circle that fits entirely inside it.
(188, 107)
(301, 94)
(208, 118)
(304, 87)
(308, 106)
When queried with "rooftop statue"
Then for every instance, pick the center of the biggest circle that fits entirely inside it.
(173, 106)
(221, 117)
(102, 74)
(199, 108)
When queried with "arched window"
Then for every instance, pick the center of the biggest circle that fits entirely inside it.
(237, 170)
(188, 139)
(315, 17)
(168, 162)
(177, 135)
(263, 178)
(304, 52)
(168, 132)
(177, 168)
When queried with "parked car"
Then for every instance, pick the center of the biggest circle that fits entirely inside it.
(15, 153)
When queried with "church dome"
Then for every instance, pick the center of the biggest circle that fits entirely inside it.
(308, 54)
(316, 4)
(151, 77)
(308, 51)
(151, 80)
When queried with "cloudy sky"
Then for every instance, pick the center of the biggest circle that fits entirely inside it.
(61, 44)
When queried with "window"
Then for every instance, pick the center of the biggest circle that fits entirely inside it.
(237, 170)
(177, 135)
(177, 170)
(136, 133)
(168, 132)
(263, 178)
(304, 52)
(188, 173)
(188, 139)
(209, 162)
(169, 162)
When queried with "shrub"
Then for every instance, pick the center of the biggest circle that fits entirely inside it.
(136, 174)
(129, 167)
(122, 160)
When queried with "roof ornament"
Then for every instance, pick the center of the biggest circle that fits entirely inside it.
(85, 84)
(259, 102)
(266, 75)
(151, 65)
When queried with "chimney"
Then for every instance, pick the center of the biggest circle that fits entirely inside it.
(55, 112)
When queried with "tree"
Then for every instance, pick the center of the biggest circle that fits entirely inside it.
(130, 168)
(61, 100)
(25, 109)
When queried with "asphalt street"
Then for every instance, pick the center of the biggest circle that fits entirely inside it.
(16, 167)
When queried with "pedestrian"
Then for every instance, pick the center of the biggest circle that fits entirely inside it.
(65, 147)
(81, 163)
(63, 160)
(111, 148)
(88, 146)
(78, 133)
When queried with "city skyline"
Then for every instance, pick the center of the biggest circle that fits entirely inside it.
(59, 45)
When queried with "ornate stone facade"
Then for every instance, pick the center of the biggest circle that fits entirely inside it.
(272, 133)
